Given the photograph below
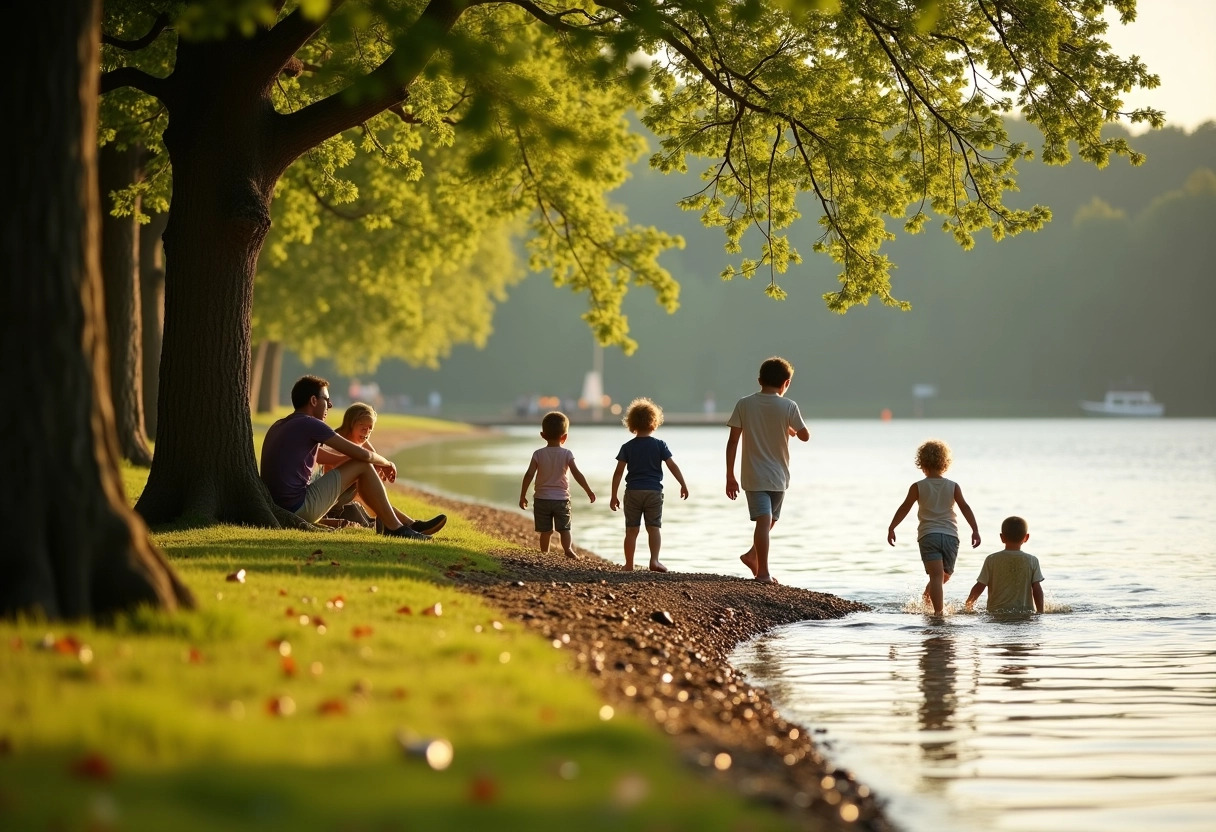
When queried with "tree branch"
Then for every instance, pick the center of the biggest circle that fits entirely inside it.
(278, 45)
(129, 76)
(299, 131)
(159, 25)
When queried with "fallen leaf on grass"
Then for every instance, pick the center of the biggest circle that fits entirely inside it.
(93, 767)
(281, 706)
(336, 603)
(332, 707)
(361, 631)
(435, 609)
(483, 789)
(237, 577)
(289, 666)
(195, 656)
(282, 592)
(404, 611)
(280, 644)
(16, 643)
(334, 563)
(67, 645)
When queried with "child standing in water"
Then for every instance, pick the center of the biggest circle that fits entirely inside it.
(937, 533)
(357, 425)
(643, 457)
(549, 464)
(1012, 577)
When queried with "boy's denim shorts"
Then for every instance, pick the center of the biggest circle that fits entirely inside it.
(551, 515)
(760, 503)
(639, 504)
(937, 546)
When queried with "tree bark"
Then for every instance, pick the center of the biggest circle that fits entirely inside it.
(204, 470)
(75, 550)
(117, 168)
(271, 380)
(152, 310)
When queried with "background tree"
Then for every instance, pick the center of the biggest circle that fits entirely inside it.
(870, 106)
(117, 168)
(78, 550)
(398, 264)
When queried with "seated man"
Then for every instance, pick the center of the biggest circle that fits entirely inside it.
(289, 456)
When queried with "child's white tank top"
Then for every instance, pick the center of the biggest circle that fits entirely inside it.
(935, 507)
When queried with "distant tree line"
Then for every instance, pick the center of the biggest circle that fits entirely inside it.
(1116, 288)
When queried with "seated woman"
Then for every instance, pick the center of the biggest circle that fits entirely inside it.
(357, 425)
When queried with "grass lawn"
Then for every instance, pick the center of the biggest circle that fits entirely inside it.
(304, 697)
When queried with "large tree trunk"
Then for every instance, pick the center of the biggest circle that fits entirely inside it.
(152, 310)
(271, 380)
(117, 169)
(74, 550)
(204, 470)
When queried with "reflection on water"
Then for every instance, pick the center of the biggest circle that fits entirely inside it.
(1023, 724)
(1098, 715)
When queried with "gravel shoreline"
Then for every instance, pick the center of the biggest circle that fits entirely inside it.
(658, 645)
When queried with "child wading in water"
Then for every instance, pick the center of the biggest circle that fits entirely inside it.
(357, 425)
(937, 534)
(643, 458)
(549, 465)
(1012, 577)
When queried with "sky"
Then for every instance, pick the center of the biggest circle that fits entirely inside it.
(1176, 39)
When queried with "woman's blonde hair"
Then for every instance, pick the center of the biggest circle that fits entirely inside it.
(643, 415)
(357, 412)
(933, 455)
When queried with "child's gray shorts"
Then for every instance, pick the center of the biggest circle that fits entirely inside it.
(760, 503)
(639, 504)
(551, 515)
(938, 546)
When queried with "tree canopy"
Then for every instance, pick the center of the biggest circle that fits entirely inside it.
(862, 113)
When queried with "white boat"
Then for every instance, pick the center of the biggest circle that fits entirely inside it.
(1125, 403)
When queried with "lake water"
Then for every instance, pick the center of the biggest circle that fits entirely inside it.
(1099, 715)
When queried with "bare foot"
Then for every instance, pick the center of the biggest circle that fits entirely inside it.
(766, 579)
(627, 567)
(750, 564)
(570, 553)
(655, 566)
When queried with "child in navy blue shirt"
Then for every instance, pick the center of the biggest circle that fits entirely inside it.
(643, 458)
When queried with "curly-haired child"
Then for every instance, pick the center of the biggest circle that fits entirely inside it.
(641, 461)
(937, 534)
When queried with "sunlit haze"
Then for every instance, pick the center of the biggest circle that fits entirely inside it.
(1176, 39)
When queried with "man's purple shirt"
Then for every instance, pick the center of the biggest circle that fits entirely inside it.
(289, 454)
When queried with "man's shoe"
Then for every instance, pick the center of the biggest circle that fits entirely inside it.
(403, 531)
(430, 526)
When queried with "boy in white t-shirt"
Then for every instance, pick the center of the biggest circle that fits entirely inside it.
(937, 531)
(765, 421)
(552, 497)
(1013, 577)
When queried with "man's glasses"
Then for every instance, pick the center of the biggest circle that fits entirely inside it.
(328, 401)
